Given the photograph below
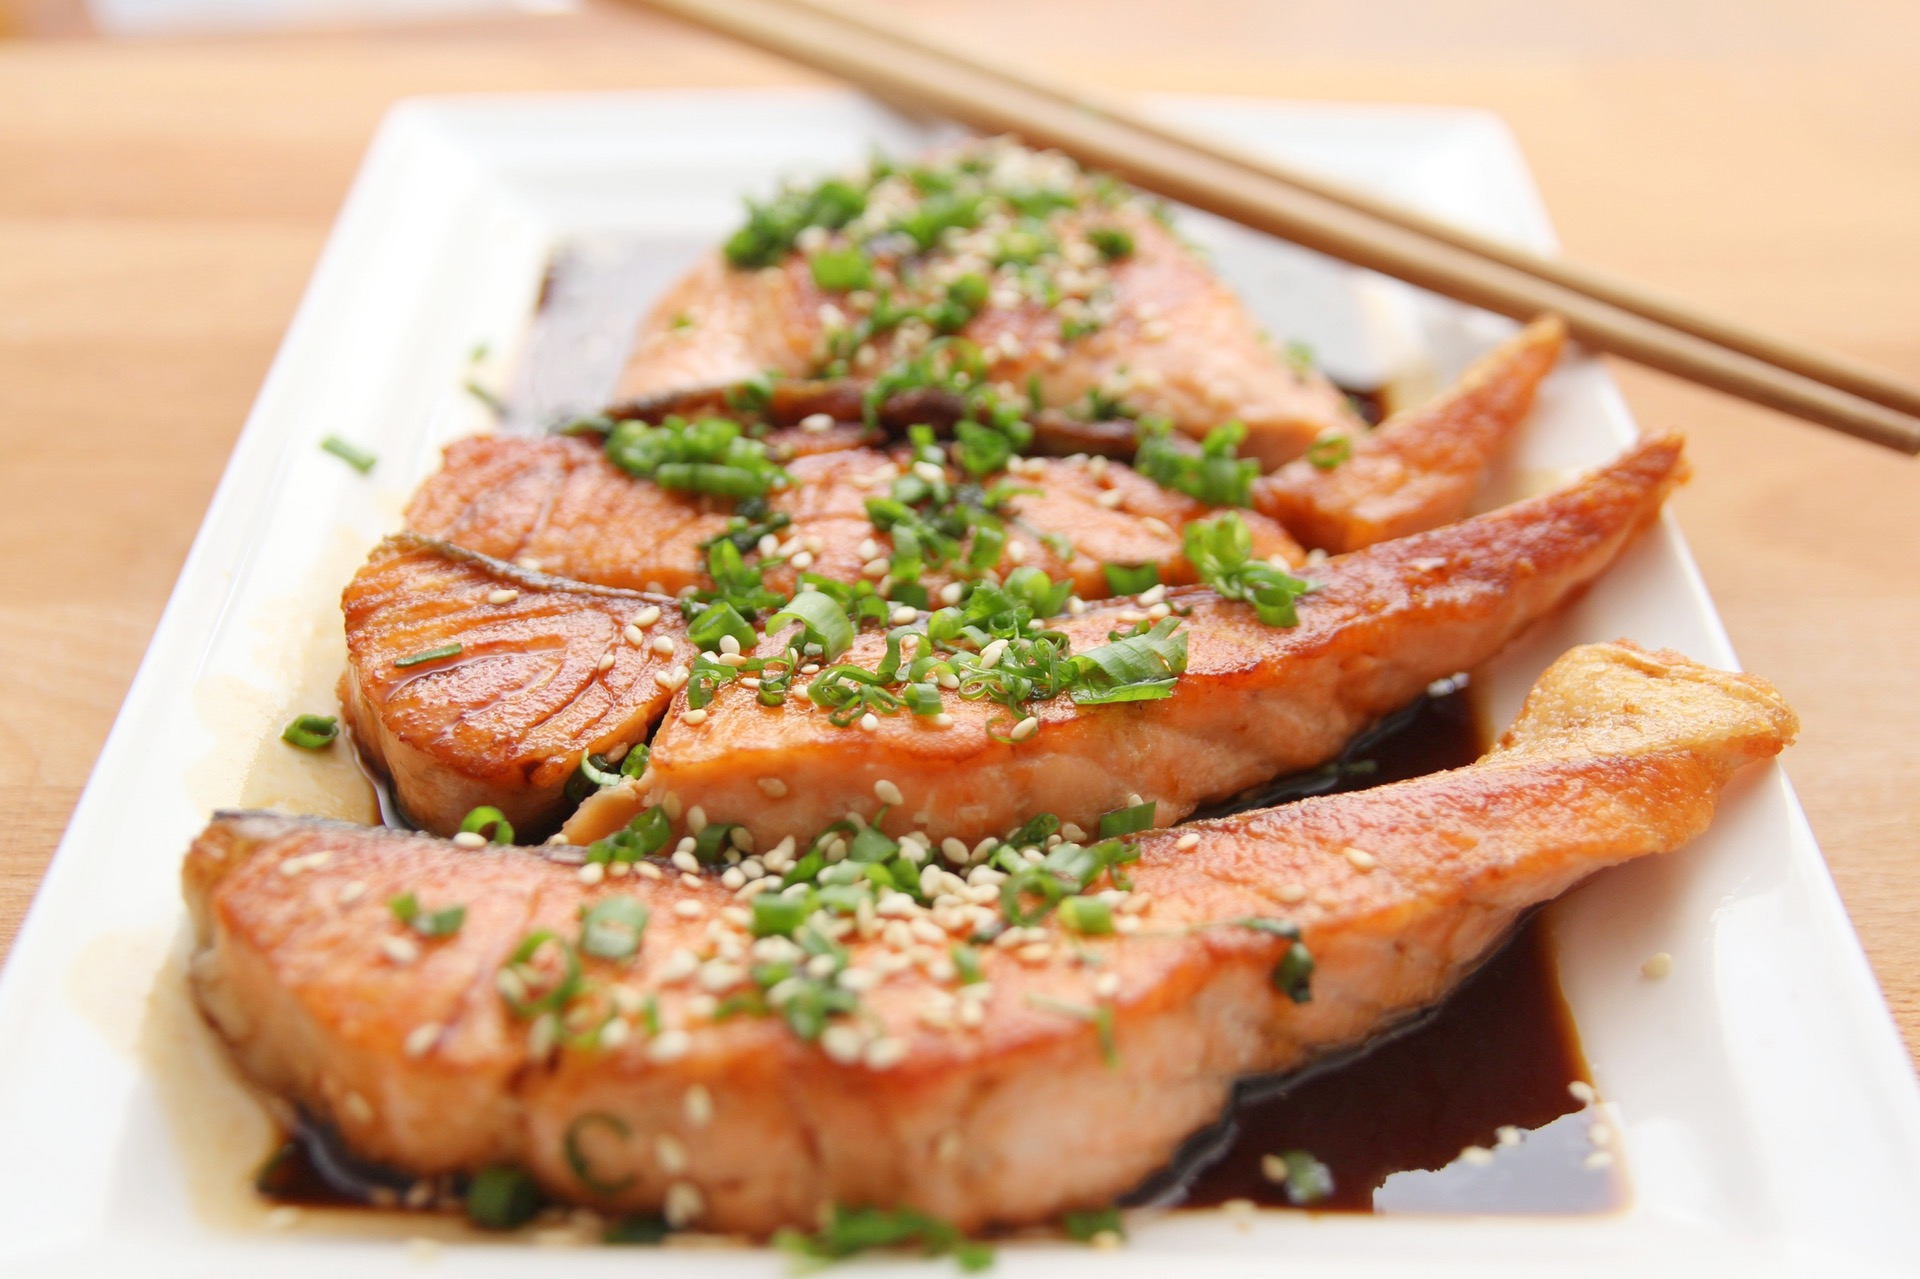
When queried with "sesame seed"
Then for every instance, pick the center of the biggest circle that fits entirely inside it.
(669, 1045)
(1506, 1135)
(1157, 525)
(690, 879)
(1597, 1160)
(355, 1107)
(1600, 1135)
(1024, 729)
(470, 839)
(1362, 860)
(687, 908)
(684, 1203)
(955, 850)
(1108, 498)
(422, 1038)
(1582, 1091)
(1238, 1207)
(502, 597)
(1186, 841)
(646, 870)
(352, 891)
(646, 617)
(947, 1148)
(671, 1154)
(885, 1053)
(843, 1043)
(1107, 985)
(685, 861)
(951, 593)
(1274, 1169)
(634, 635)
(875, 567)
(772, 787)
(804, 560)
(529, 563)
(1292, 894)
(696, 819)
(1479, 1156)
(733, 878)
(662, 645)
(283, 1217)
(887, 792)
(1657, 965)
(543, 1034)
(698, 1105)
(423, 1252)
(870, 722)
(1152, 595)
(905, 614)
(694, 716)
(990, 655)
(817, 421)
(615, 1033)
(717, 976)
(399, 950)
(606, 661)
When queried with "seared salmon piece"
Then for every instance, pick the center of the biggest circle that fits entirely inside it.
(1256, 702)
(1082, 303)
(1420, 468)
(471, 682)
(558, 504)
(1071, 1070)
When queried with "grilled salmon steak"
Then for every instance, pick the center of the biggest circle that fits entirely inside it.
(1066, 288)
(738, 1057)
(1255, 701)
(558, 504)
(471, 682)
(1420, 468)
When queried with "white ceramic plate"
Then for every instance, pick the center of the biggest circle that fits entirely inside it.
(1766, 1107)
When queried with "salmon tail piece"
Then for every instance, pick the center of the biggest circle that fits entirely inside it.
(1054, 1073)
(1421, 467)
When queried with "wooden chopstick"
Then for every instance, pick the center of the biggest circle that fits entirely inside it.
(1161, 160)
(1842, 372)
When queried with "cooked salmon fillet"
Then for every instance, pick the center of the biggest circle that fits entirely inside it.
(1073, 1069)
(558, 504)
(1420, 468)
(1255, 702)
(1153, 326)
(472, 682)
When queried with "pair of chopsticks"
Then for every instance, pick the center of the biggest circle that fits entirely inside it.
(915, 70)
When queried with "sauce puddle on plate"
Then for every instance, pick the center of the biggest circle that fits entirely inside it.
(1412, 1123)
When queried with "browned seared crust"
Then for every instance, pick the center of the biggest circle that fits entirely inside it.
(1256, 701)
(1619, 753)
(1188, 347)
(559, 503)
(505, 720)
(1420, 468)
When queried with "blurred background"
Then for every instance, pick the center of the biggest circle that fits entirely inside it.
(169, 170)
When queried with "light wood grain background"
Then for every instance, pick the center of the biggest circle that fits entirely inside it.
(163, 201)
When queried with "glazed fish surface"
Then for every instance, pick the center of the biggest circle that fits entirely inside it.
(1420, 468)
(1255, 701)
(1068, 286)
(558, 504)
(987, 1050)
(470, 682)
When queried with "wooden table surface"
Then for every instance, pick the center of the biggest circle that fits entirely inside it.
(162, 203)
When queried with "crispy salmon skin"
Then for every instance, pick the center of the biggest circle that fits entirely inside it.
(1068, 291)
(678, 1070)
(1255, 702)
(470, 682)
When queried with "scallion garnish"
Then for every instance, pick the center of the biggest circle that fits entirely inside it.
(1330, 450)
(430, 655)
(841, 270)
(1308, 1180)
(1221, 552)
(1127, 821)
(529, 988)
(502, 1199)
(1125, 579)
(489, 821)
(717, 621)
(825, 621)
(643, 836)
(575, 1150)
(711, 455)
(848, 1231)
(1089, 916)
(1083, 1226)
(1293, 975)
(637, 1228)
(1214, 472)
(612, 927)
(358, 458)
(444, 922)
(311, 732)
(1113, 242)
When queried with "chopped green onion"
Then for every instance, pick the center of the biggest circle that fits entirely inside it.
(1214, 473)
(848, 1231)
(494, 403)
(577, 1156)
(612, 927)
(1127, 821)
(1124, 579)
(444, 922)
(824, 619)
(841, 270)
(646, 834)
(358, 458)
(594, 769)
(1293, 975)
(488, 821)
(1330, 450)
(518, 975)
(1083, 1226)
(778, 916)
(636, 1228)
(1089, 916)
(711, 455)
(1221, 552)
(1308, 1180)
(966, 962)
(1137, 668)
(430, 655)
(1113, 242)
(311, 732)
(717, 621)
(502, 1199)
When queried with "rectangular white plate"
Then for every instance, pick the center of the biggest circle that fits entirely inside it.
(1767, 1109)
